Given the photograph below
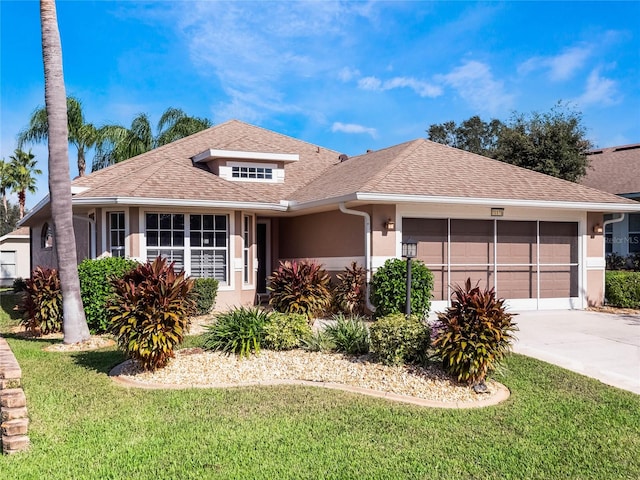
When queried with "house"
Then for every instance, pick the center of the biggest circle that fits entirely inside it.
(15, 256)
(231, 201)
(617, 170)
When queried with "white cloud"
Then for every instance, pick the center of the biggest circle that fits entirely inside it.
(353, 128)
(559, 67)
(422, 88)
(475, 83)
(347, 74)
(599, 90)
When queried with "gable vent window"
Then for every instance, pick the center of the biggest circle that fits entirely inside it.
(253, 173)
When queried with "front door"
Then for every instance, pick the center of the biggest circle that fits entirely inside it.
(264, 260)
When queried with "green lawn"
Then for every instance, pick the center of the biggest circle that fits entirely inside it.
(555, 425)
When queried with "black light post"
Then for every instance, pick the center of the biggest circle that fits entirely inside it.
(409, 251)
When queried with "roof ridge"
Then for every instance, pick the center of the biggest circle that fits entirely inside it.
(387, 170)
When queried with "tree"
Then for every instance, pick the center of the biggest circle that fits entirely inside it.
(116, 143)
(553, 143)
(6, 183)
(473, 135)
(82, 135)
(21, 173)
(74, 323)
(9, 219)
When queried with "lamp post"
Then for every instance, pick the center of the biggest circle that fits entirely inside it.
(409, 251)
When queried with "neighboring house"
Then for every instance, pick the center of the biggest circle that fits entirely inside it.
(15, 256)
(617, 170)
(231, 201)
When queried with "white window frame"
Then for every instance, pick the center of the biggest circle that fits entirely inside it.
(172, 249)
(247, 238)
(276, 174)
(119, 248)
(4, 265)
(633, 243)
(226, 249)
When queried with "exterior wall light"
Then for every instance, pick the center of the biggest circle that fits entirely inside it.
(390, 224)
(597, 228)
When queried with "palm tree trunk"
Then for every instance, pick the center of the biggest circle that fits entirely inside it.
(74, 321)
(22, 200)
(82, 164)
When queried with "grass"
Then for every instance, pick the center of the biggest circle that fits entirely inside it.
(556, 424)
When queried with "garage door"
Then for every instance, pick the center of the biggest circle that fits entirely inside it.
(523, 260)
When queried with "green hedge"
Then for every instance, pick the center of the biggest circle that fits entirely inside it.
(205, 291)
(95, 287)
(622, 289)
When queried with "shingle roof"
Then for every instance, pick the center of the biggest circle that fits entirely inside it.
(425, 168)
(168, 172)
(418, 167)
(615, 169)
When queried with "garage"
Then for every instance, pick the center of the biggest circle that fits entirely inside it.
(533, 264)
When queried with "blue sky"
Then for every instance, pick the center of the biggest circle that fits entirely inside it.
(350, 76)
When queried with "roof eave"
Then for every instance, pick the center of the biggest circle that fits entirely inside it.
(173, 202)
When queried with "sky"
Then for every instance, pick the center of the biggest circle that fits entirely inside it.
(348, 76)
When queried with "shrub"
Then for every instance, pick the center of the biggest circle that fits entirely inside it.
(622, 289)
(238, 331)
(634, 262)
(19, 285)
(205, 291)
(300, 287)
(150, 312)
(318, 342)
(41, 304)
(96, 288)
(348, 334)
(616, 262)
(389, 288)
(396, 339)
(474, 334)
(348, 294)
(285, 331)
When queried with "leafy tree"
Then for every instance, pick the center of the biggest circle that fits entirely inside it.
(74, 323)
(553, 143)
(81, 134)
(473, 135)
(116, 143)
(9, 219)
(21, 173)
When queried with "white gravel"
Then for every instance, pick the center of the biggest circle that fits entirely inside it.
(194, 368)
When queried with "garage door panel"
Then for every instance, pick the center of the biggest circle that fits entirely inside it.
(440, 283)
(517, 282)
(517, 242)
(558, 242)
(483, 276)
(431, 236)
(471, 241)
(559, 282)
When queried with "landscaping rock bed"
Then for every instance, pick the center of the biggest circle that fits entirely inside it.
(355, 373)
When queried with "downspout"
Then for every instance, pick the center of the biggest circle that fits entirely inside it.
(604, 248)
(367, 250)
(92, 222)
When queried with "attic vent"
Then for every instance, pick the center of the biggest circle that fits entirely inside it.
(343, 158)
(628, 147)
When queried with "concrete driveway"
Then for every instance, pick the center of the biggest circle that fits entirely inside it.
(600, 345)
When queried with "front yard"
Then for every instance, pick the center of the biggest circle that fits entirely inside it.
(556, 424)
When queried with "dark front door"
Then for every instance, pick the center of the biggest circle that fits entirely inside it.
(261, 237)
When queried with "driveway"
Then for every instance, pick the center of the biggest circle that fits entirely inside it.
(600, 345)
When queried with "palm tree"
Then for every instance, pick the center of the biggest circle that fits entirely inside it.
(116, 143)
(6, 183)
(81, 134)
(21, 173)
(74, 322)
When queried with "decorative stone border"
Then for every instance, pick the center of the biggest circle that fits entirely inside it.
(500, 396)
(14, 422)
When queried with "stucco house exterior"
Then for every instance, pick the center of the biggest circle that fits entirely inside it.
(231, 201)
(15, 256)
(617, 170)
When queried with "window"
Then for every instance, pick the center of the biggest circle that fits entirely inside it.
(634, 232)
(8, 264)
(165, 237)
(246, 236)
(209, 246)
(46, 237)
(253, 173)
(608, 236)
(116, 234)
